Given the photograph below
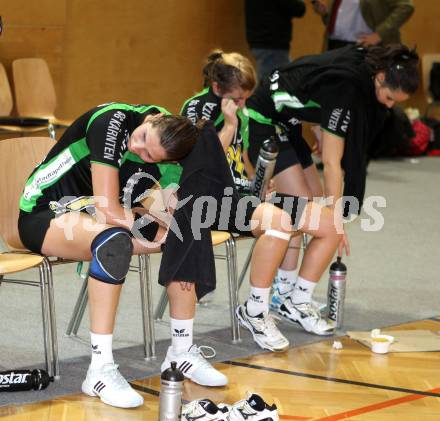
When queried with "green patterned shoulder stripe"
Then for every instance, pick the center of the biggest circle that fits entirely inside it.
(205, 91)
(119, 106)
(255, 115)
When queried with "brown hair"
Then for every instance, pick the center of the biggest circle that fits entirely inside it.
(229, 70)
(399, 63)
(177, 134)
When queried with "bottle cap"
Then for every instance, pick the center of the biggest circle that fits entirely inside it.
(338, 265)
(172, 374)
(269, 148)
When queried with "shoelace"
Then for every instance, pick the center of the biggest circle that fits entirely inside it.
(116, 378)
(201, 356)
(193, 408)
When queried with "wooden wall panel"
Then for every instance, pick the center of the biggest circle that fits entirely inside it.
(142, 51)
(151, 51)
(33, 29)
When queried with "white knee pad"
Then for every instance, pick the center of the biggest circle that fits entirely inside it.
(278, 234)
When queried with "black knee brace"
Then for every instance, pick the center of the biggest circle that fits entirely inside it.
(111, 254)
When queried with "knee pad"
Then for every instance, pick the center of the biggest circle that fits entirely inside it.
(111, 254)
(278, 234)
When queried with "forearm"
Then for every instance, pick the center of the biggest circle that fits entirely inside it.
(333, 177)
(115, 215)
(399, 15)
(227, 134)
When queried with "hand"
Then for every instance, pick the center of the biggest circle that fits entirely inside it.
(369, 39)
(320, 7)
(229, 110)
(270, 189)
(344, 244)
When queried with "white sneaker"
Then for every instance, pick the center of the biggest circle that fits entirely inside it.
(194, 366)
(253, 409)
(307, 316)
(107, 383)
(263, 329)
(278, 298)
(204, 410)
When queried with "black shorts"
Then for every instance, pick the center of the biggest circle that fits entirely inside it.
(237, 220)
(33, 227)
(293, 149)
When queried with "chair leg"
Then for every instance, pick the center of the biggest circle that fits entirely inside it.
(52, 319)
(44, 305)
(233, 293)
(161, 305)
(147, 307)
(246, 266)
(78, 310)
(51, 130)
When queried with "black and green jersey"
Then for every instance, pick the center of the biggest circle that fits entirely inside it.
(282, 100)
(207, 105)
(100, 135)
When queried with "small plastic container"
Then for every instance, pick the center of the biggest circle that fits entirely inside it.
(380, 344)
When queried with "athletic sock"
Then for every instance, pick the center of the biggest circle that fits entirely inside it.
(258, 301)
(303, 291)
(285, 280)
(181, 335)
(102, 352)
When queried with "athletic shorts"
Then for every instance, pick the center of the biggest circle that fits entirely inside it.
(238, 220)
(33, 227)
(293, 149)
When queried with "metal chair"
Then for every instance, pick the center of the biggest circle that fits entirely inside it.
(11, 262)
(143, 270)
(18, 158)
(218, 237)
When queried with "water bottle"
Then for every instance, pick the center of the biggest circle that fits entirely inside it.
(20, 380)
(171, 387)
(336, 292)
(264, 168)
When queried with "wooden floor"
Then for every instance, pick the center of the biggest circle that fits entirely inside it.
(313, 382)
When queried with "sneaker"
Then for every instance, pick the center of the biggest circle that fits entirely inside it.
(263, 329)
(204, 410)
(194, 366)
(306, 315)
(278, 298)
(253, 409)
(107, 383)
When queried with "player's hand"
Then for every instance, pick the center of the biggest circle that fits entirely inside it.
(369, 39)
(229, 110)
(320, 7)
(344, 245)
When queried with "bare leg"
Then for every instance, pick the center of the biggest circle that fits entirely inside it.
(292, 181)
(269, 251)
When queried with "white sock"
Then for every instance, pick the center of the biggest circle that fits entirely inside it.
(285, 280)
(303, 291)
(258, 301)
(102, 352)
(181, 335)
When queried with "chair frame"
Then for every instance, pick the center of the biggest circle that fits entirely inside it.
(45, 284)
(231, 265)
(143, 269)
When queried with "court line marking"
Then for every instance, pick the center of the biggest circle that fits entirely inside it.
(293, 417)
(332, 379)
(375, 407)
